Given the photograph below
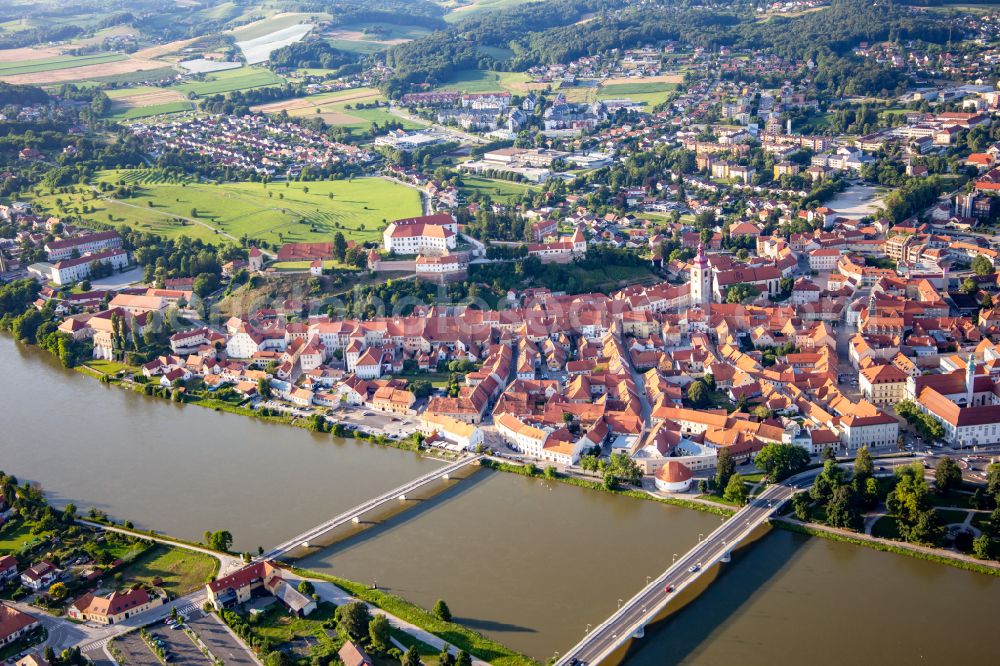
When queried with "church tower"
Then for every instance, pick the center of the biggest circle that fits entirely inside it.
(701, 279)
(970, 380)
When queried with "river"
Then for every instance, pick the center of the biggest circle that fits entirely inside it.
(526, 561)
(179, 469)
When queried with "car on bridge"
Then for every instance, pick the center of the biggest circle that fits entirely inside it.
(695, 567)
(668, 589)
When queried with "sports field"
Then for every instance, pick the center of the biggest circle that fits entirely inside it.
(298, 212)
(498, 190)
(649, 93)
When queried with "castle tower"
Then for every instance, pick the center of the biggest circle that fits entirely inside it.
(256, 260)
(970, 380)
(701, 279)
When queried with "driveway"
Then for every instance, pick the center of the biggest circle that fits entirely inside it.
(219, 641)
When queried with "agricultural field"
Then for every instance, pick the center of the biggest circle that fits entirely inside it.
(475, 80)
(145, 101)
(270, 25)
(332, 108)
(15, 67)
(229, 80)
(276, 212)
(137, 112)
(460, 9)
(371, 37)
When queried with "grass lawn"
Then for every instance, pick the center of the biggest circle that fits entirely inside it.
(649, 94)
(951, 500)
(229, 80)
(886, 527)
(182, 571)
(499, 190)
(280, 626)
(13, 539)
(108, 367)
(951, 516)
(273, 212)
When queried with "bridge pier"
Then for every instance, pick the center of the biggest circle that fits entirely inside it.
(445, 476)
(356, 519)
(402, 498)
(640, 632)
(727, 557)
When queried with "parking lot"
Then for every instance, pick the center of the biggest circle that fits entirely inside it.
(219, 641)
(180, 646)
(394, 426)
(135, 650)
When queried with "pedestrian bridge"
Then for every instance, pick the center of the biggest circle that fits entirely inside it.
(354, 515)
(645, 607)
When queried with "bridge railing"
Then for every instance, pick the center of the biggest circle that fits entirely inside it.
(609, 623)
(368, 505)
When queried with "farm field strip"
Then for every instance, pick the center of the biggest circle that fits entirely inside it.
(59, 62)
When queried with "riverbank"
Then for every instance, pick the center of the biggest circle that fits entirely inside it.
(935, 555)
(531, 470)
(461, 637)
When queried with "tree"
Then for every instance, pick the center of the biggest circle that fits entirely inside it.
(908, 500)
(735, 490)
(981, 265)
(779, 461)
(697, 394)
(220, 541)
(306, 588)
(926, 529)
(264, 387)
(725, 467)
(339, 246)
(621, 469)
(993, 479)
(843, 509)
(278, 658)
(864, 468)
(205, 284)
(379, 633)
(947, 476)
(411, 658)
(800, 505)
(441, 611)
(58, 591)
(463, 659)
(354, 618)
(446, 658)
(982, 547)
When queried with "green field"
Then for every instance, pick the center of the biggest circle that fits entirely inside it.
(273, 212)
(362, 47)
(59, 62)
(13, 538)
(157, 74)
(155, 110)
(182, 571)
(229, 80)
(461, 10)
(477, 80)
(332, 107)
(275, 23)
(498, 190)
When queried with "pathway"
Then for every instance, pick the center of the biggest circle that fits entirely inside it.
(329, 592)
(227, 563)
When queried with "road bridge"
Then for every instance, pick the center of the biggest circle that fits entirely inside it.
(354, 514)
(631, 619)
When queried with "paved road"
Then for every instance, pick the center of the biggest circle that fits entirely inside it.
(220, 641)
(645, 605)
